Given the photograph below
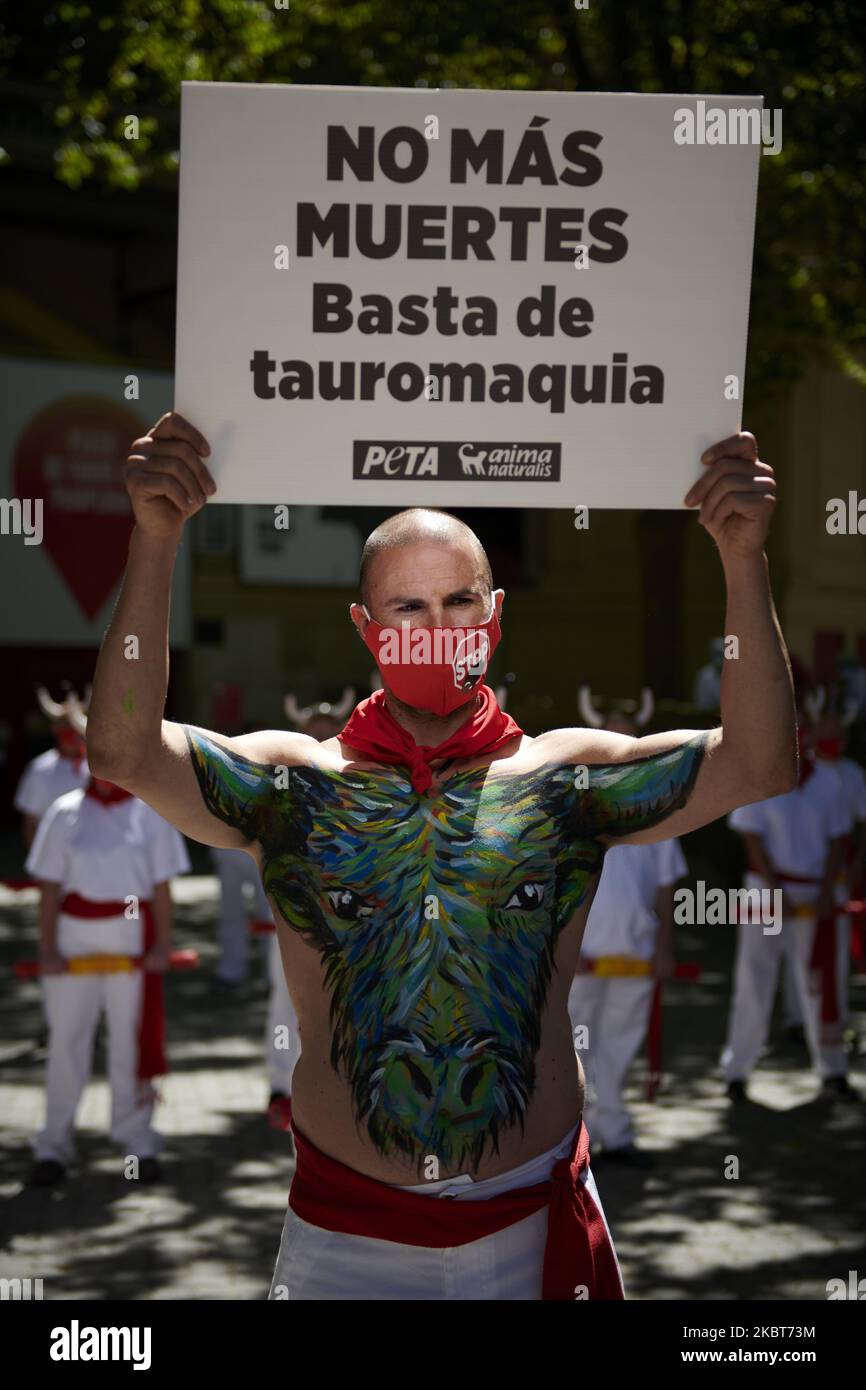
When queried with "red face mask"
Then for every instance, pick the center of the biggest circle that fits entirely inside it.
(828, 748)
(69, 743)
(435, 669)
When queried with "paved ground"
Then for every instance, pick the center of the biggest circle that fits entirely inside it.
(794, 1218)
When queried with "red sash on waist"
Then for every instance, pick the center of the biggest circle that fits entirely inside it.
(75, 906)
(823, 960)
(578, 1253)
(785, 878)
(151, 1030)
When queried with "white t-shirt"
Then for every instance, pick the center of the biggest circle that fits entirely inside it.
(623, 920)
(797, 828)
(105, 852)
(46, 778)
(854, 781)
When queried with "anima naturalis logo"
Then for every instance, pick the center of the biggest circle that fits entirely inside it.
(452, 461)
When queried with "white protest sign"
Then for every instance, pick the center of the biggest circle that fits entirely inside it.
(462, 298)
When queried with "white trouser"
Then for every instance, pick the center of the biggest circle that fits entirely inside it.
(507, 1266)
(792, 1013)
(756, 976)
(73, 1004)
(844, 927)
(282, 1038)
(235, 868)
(614, 1014)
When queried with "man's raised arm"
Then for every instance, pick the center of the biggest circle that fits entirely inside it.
(128, 741)
(753, 756)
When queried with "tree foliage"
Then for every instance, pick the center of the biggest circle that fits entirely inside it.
(98, 63)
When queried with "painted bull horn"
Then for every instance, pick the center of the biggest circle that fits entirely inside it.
(76, 715)
(647, 705)
(294, 712)
(813, 703)
(50, 708)
(300, 716)
(345, 703)
(591, 717)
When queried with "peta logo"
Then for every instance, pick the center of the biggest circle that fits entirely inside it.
(380, 460)
(396, 460)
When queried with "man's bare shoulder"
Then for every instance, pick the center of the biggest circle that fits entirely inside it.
(593, 746)
(281, 747)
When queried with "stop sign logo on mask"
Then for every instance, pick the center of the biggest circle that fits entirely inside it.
(71, 455)
(470, 659)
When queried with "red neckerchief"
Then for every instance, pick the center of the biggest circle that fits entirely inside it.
(116, 794)
(77, 759)
(807, 767)
(373, 730)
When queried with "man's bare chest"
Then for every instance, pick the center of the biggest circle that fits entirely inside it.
(436, 917)
(485, 854)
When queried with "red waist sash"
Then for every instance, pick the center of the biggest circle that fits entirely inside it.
(578, 1254)
(785, 878)
(151, 1031)
(75, 906)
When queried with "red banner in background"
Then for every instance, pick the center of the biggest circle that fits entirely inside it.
(72, 455)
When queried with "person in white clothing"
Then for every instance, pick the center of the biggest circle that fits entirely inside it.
(828, 736)
(830, 740)
(708, 681)
(794, 843)
(58, 770)
(46, 777)
(104, 860)
(631, 918)
(236, 871)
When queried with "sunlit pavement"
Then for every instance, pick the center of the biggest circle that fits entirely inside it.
(793, 1218)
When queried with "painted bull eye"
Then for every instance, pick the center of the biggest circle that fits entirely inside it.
(527, 896)
(469, 1082)
(419, 1080)
(348, 906)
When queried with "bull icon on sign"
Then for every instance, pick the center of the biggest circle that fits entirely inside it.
(472, 464)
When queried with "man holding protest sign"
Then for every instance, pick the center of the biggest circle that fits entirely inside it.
(430, 870)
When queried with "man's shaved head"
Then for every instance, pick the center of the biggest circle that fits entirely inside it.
(421, 525)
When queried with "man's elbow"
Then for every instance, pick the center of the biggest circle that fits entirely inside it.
(110, 764)
(775, 779)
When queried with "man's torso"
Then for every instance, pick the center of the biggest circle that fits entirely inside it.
(429, 941)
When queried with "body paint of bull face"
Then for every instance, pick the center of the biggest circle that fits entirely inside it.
(436, 918)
